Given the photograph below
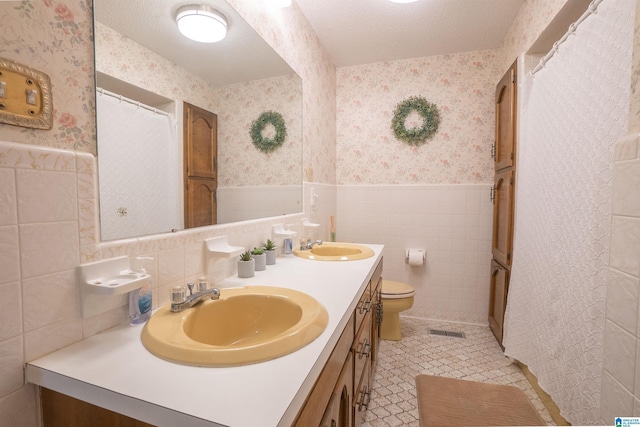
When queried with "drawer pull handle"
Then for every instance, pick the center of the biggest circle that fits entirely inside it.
(365, 399)
(365, 307)
(365, 349)
(379, 313)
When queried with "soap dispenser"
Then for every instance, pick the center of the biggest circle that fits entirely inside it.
(140, 300)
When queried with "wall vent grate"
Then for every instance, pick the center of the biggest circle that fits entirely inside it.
(443, 333)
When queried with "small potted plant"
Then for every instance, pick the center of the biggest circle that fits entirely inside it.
(270, 250)
(246, 265)
(260, 257)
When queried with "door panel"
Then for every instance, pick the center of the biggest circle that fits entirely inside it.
(200, 166)
(504, 155)
(201, 193)
(498, 302)
(503, 217)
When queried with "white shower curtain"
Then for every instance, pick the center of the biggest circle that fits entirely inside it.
(571, 114)
(136, 169)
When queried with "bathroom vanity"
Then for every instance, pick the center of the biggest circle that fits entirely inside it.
(327, 380)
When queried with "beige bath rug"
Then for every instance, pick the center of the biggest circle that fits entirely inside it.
(452, 402)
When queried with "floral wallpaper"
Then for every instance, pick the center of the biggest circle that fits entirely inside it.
(65, 54)
(461, 85)
(532, 19)
(126, 60)
(240, 163)
(289, 33)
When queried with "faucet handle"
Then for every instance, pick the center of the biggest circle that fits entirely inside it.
(203, 284)
(178, 294)
(190, 285)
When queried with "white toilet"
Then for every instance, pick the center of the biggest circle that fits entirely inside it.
(396, 297)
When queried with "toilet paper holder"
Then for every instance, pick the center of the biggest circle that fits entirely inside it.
(422, 252)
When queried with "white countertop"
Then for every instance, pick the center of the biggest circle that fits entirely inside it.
(114, 370)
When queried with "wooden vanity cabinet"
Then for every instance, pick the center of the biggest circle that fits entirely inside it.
(60, 410)
(326, 401)
(321, 397)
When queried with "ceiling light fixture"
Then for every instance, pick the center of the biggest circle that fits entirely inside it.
(201, 23)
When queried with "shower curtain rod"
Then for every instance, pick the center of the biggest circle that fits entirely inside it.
(131, 101)
(593, 6)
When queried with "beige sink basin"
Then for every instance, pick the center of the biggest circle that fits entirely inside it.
(246, 325)
(335, 251)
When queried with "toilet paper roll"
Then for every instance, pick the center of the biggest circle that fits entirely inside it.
(415, 257)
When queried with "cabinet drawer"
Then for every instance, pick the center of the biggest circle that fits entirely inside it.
(363, 307)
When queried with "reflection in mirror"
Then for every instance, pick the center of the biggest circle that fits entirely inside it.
(174, 118)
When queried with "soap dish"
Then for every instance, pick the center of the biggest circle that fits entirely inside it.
(220, 248)
(122, 283)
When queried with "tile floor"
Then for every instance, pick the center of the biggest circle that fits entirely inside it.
(476, 357)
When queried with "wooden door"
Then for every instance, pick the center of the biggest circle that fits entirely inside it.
(503, 217)
(504, 148)
(498, 302)
(200, 166)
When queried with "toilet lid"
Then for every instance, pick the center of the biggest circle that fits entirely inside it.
(391, 289)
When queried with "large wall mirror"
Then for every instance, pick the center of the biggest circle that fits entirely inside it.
(160, 95)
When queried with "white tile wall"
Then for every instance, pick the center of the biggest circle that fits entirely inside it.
(620, 392)
(615, 400)
(620, 354)
(48, 226)
(242, 203)
(452, 222)
(623, 292)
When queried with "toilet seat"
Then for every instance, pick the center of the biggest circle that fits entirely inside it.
(396, 290)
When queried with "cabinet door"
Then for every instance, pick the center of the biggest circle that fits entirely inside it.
(376, 320)
(503, 217)
(60, 410)
(338, 413)
(362, 396)
(498, 302)
(504, 148)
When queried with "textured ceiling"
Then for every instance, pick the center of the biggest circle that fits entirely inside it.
(365, 31)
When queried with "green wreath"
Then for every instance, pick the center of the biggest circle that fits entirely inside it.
(267, 145)
(419, 135)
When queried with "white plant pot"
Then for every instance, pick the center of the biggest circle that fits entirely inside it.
(246, 268)
(261, 262)
(271, 256)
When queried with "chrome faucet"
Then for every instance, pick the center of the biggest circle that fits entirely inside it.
(181, 302)
(309, 244)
